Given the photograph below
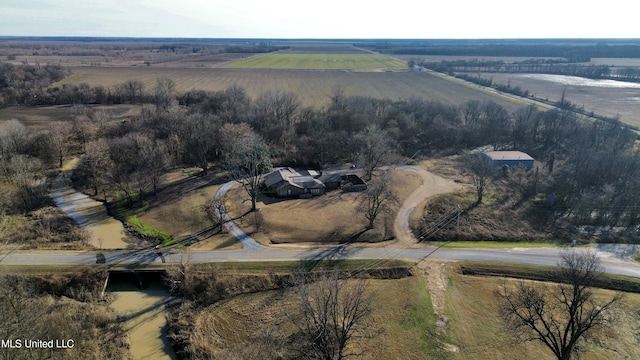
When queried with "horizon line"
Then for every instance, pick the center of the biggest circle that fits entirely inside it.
(166, 38)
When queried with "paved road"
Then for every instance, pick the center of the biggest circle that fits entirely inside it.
(614, 260)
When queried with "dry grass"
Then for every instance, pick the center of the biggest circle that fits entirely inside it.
(332, 217)
(502, 215)
(60, 306)
(397, 328)
(38, 118)
(402, 325)
(45, 228)
(476, 329)
(177, 209)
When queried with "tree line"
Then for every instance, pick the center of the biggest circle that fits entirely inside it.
(575, 50)
(565, 67)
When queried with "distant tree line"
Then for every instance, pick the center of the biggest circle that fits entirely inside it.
(113, 46)
(574, 52)
(528, 67)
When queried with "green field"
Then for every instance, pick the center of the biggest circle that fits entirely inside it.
(313, 87)
(318, 61)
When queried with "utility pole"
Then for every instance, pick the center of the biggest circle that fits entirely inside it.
(459, 208)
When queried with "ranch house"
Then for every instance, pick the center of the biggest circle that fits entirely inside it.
(499, 159)
(288, 182)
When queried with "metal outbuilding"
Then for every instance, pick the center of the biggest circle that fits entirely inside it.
(508, 158)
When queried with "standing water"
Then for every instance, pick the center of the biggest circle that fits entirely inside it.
(105, 231)
(144, 313)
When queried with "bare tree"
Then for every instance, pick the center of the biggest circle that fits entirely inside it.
(374, 148)
(198, 135)
(376, 199)
(216, 212)
(22, 316)
(558, 318)
(236, 103)
(275, 114)
(123, 174)
(134, 90)
(332, 314)
(481, 173)
(13, 139)
(60, 134)
(152, 162)
(96, 165)
(22, 173)
(246, 158)
(163, 93)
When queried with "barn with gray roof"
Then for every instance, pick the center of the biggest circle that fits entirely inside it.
(512, 159)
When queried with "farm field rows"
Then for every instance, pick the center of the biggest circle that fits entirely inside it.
(312, 87)
(363, 61)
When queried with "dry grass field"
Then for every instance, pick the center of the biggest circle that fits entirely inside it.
(397, 329)
(177, 210)
(313, 87)
(476, 330)
(38, 118)
(410, 320)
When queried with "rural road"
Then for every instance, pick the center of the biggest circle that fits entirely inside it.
(614, 258)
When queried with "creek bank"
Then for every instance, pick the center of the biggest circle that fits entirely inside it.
(105, 232)
(141, 300)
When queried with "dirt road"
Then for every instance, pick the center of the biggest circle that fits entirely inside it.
(431, 185)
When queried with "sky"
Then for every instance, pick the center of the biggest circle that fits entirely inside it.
(300, 19)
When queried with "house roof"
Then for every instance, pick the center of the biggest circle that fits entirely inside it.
(507, 155)
(290, 176)
(278, 175)
(331, 177)
(306, 182)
